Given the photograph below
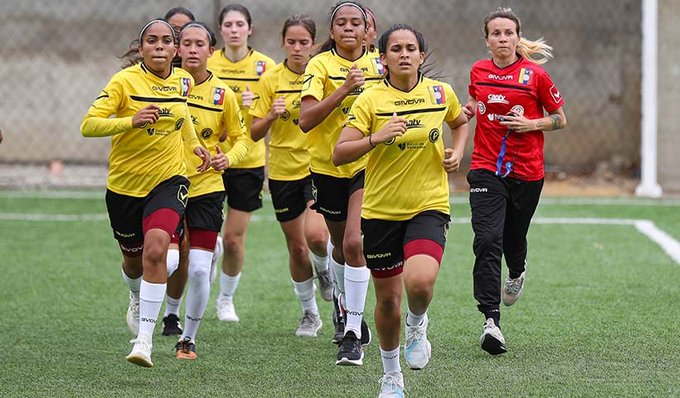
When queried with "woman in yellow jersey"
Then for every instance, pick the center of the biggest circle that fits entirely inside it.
(333, 80)
(277, 109)
(214, 109)
(240, 67)
(147, 189)
(405, 212)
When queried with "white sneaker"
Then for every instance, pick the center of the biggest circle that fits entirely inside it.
(417, 349)
(132, 316)
(513, 289)
(325, 284)
(219, 250)
(392, 385)
(492, 340)
(226, 310)
(309, 325)
(141, 351)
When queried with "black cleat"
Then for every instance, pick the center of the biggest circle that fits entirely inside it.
(350, 353)
(171, 325)
(365, 334)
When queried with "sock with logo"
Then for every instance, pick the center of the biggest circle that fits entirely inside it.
(390, 360)
(413, 319)
(356, 285)
(172, 306)
(151, 297)
(228, 285)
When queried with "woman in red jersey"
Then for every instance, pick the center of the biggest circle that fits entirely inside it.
(510, 94)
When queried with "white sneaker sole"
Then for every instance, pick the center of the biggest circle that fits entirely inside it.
(306, 333)
(351, 362)
(139, 359)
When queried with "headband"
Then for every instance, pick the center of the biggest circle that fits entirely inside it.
(141, 32)
(197, 25)
(348, 3)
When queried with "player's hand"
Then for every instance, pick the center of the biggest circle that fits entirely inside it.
(469, 110)
(205, 158)
(220, 161)
(247, 97)
(396, 127)
(518, 124)
(354, 79)
(147, 115)
(452, 160)
(278, 108)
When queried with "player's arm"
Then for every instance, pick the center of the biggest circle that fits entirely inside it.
(459, 136)
(260, 126)
(97, 121)
(191, 140)
(554, 121)
(469, 108)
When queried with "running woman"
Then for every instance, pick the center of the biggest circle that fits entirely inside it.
(405, 212)
(147, 188)
(214, 109)
(240, 67)
(509, 93)
(333, 79)
(277, 109)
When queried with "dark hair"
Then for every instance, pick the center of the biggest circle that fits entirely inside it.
(299, 20)
(426, 67)
(235, 7)
(179, 10)
(132, 56)
(371, 14)
(526, 48)
(212, 39)
(330, 43)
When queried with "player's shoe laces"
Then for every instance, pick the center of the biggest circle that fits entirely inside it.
(309, 325)
(392, 385)
(185, 349)
(338, 322)
(141, 351)
(492, 340)
(417, 349)
(365, 333)
(219, 250)
(226, 310)
(513, 289)
(350, 353)
(325, 284)
(171, 325)
(132, 316)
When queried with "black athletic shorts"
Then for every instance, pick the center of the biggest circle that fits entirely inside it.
(290, 197)
(206, 211)
(331, 194)
(244, 188)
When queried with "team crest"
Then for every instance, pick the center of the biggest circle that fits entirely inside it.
(378, 66)
(525, 75)
(260, 67)
(184, 86)
(218, 96)
(438, 95)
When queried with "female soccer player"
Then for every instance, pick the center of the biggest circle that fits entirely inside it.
(333, 80)
(277, 109)
(509, 93)
(405, 212)
(240, 67)
(147, 189)
(214, 109)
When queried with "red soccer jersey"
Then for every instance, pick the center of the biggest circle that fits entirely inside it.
(523, 88)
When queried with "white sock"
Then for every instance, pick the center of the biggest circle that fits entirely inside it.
(172, 260)
(172, 305)
(228, 284)
(132, 284)
(390, 360)
(320, 263)
(356, 287)
(199, 291)
(413, 319)
(151, 297)
(339, 271)
(305, 293)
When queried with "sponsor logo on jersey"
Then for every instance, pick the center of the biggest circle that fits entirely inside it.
(194, 120)
(185, 86)
(150, 131)
(218, 96)
(498, 77)
(165, 112)
(411, 101)
(497, 99)
(481, 107)
(438, 95)
(525, 75)
(285, 115)
(378, 67)
(165, 89)
(555, 94)
(260, 67)
(518, 110)
(434, 135)
(413, 124)
(296, 104)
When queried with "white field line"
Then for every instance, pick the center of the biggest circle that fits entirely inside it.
(52, 217)
(669, 244)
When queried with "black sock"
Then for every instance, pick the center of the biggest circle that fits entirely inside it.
(494, 314)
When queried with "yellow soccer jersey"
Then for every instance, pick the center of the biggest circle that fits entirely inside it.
(288, 156)
(237, 75)
(141, 158)
(324, 74)
(405, 176)
(214, 109)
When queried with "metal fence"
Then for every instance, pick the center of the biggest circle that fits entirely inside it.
(56, 55)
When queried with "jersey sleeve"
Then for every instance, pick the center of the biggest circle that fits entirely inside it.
(313, 80)
(96, 122)
(361, 115)
(453, 103)
(548, 94)
(265, 91)
(188, 131)
(237, 134)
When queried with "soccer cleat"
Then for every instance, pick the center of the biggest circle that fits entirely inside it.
(417, 349)
(338, 322)
(365, 333)
(513, 289)
(141, 351)
(492, 340)
(132, 316)
(185, 349)
(219, 250)
(171, 325)
(392, 385)
(350, 353)
(325, 284)
(309, 325)
(226, 310)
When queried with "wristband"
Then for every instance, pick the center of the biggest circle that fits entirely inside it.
(370, 142)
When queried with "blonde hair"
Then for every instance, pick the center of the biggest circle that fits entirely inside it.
(536, 51)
